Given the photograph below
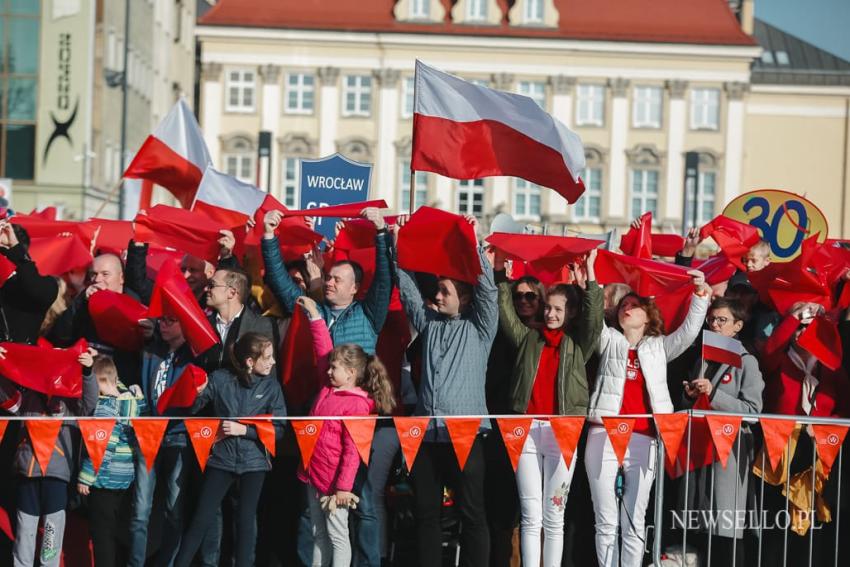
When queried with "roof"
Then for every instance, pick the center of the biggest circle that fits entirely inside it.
(659, 21)
(790, 60)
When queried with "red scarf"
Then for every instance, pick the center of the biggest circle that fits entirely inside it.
(544, 399)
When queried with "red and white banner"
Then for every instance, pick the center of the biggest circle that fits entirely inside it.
(465, 131)
(725, 350)
(225, 198)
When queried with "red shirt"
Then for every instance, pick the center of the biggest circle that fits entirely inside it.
(543, 399)
(635, 396)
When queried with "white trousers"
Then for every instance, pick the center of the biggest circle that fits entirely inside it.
(331, 545)
(543, 481)
(639, 468)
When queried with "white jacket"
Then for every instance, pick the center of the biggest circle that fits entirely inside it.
(653, 354)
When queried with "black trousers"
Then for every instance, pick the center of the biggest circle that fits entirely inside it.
(107, 519)
(216, 484)
(436, 466)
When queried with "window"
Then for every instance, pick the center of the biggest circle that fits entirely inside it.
(357, 95)
(289, 190)
(300, 93)
(533, 12)
(767, 57)
(782, 58)
(420, 190)
(240, 166)
(526, 199)
(590, 203)
(590, 101)
(705, 109)
(476, 10)
(240, 90)
(644, 192)
(470, 197)
(420, 9)
(647, 107)
(479, 82)
(535, 90)
(19, 66)
(705, 198)
(407, 97)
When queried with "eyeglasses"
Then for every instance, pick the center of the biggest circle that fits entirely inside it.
(167, 321)
(211, 285)
(529, 296)
(719, 320)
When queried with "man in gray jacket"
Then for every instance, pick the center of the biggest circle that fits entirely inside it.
(457, 334)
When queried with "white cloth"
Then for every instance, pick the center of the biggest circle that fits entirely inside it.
(331, 546)
(543, 481)
(639, 468)
(810, 382)
(223, 327)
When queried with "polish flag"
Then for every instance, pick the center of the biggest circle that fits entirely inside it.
(174, 156)
(225, 198)
(464, 131)
(724, 350)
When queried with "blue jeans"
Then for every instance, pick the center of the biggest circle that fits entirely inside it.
(171, 464)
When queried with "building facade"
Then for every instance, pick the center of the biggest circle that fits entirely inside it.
(71, 156)
(641, 87)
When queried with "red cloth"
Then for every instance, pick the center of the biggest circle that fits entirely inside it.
(544, 400)
(805, 278)
(667, 245)
(645, 277)
(392, 343)
(182, 393)
(112, 235)
(638, 242)
(822, 340)
(183, 230)
(116, 318)
(47, 213)
(7, 269)
(298, 361)
(38, 227)
(432, 229)
(733, 237)
(347, 210)
(50, 371)
(635, 395)
(60, 254)
(783, 392)
(543, 256)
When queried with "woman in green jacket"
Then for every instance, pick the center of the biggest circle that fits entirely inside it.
(549, 378)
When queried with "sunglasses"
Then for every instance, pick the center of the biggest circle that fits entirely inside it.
(528, 296)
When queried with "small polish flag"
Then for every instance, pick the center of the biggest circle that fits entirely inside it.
(225, 198)
(725, 350)
(464, 131)
(174, 156)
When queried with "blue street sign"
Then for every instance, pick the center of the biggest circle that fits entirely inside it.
(333, 180)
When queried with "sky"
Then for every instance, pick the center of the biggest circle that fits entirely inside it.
(824, 23)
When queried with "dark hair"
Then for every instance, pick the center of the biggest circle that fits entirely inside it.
(574, 295)
(372, 375)
(355, 267)
(238, 280)
(735, 307)
(461, 288)
(301, 266)
(22, 235)
(249, 345)
(655, 322)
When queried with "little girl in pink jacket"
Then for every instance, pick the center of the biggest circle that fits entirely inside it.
(353, 383)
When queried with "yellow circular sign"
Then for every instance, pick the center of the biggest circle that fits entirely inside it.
(782, 218)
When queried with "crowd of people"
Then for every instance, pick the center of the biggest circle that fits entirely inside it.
(503, 345)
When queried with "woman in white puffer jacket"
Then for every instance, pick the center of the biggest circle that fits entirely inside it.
(632, 379)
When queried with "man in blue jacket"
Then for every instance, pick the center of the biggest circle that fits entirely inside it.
(349, 321)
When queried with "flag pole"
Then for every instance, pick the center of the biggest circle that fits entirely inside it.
(412, 190)
(109, 198)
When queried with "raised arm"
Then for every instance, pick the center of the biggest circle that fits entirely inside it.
(376, 304)
(509, 321)
(679, 340)
(284, 289)
(135, 271)
(322, 342)
(593, 307)
(777, 343)
(412, 301)
(485, 304)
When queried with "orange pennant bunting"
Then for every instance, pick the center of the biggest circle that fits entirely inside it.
(307, 433)
(265, 432)
(514, 431)
(361, 431)
(462, 432)
(671, 427)
(202, 434)
(96, 434)
(411, 432)
(149, 434)
(619, 433)
(829, 439)
(776, 434)
(724, 433)
(567, 430)
(43, 434)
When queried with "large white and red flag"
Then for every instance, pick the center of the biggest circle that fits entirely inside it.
(725, 350)
(225, 198)
(174, 156)
(465, 131)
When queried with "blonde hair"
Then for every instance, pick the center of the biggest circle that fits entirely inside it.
(761, 247)
(105, 366)
(372, 375)
(59, 306)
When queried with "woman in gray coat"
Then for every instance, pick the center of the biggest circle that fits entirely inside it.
(729, 389)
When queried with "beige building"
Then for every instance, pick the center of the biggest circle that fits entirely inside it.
(641, 89)
(79, 46)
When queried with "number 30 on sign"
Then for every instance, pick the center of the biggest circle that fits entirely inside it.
(783, 219)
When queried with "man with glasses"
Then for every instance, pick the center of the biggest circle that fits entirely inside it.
(164, 359)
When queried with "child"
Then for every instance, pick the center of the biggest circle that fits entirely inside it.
(43, 496)
(758, 257)
(107, 491)
(354, 383)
